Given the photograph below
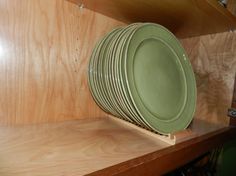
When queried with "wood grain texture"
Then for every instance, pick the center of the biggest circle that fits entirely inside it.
(213, 59)
(44, 51)
(70, 148)
(99, 146)
(163, 161)
(185, 18)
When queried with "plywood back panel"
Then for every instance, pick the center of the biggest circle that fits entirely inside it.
(45, 46)
(214, 61)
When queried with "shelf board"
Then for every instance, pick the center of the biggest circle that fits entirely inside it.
(69, 148)
(97, 147)
(185, 18)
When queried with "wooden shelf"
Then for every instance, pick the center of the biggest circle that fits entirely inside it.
(98, 147)
(185, 18)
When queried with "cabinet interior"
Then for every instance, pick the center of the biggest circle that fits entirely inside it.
(48, 119)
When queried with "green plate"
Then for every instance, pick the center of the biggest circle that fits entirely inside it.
(113, 82)
(120, 76)
(108, 79)
(92, 74)
(160, 79)
(120, 87)
(100, 79)
(95, 75)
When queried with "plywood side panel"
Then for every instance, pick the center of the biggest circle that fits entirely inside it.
(214, 61)
(44, 51)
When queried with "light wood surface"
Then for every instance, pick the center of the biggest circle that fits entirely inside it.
(84, 146)
(45, 46)
(213, 59)
(163, 161)
(185, 18)
(171, 139)
(70, 148)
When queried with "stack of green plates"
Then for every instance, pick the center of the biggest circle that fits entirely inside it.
(142, 74)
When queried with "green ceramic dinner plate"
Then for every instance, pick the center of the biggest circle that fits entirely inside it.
(92, 75)
(108, 79)
(142, 74)
(99, 67)
(117, 98)
(118, 94)
(95, 83)
(122, 87)
(160, 79)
